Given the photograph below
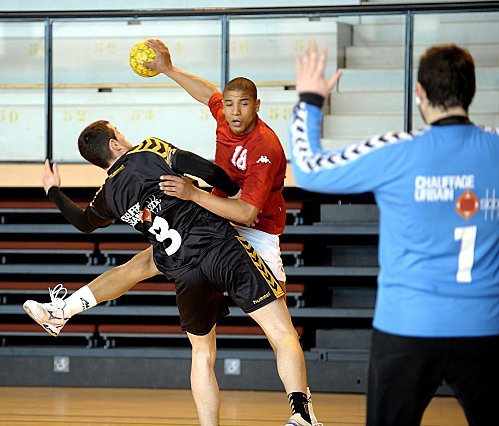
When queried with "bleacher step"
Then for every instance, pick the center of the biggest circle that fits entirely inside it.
(349, 213)
(429, 31)
(392, 56)
(343, 338)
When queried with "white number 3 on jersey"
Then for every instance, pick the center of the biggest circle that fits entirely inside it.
(161, 230)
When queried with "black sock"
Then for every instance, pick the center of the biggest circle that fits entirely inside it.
(299, 404)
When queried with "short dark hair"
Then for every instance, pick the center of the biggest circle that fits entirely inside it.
(447, 73)
(241, 84)
(93, 143)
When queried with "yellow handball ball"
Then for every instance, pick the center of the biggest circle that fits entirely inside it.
(142, 52)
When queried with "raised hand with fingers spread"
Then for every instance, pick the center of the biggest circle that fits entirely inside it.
(310, 73)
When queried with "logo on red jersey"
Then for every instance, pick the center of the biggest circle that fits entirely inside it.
(263, 159)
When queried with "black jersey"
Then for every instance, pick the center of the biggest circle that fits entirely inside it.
(180, 231)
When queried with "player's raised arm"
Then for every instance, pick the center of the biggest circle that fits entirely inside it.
(310, 73)
(84, 220)
(50, 176)
(199, 88)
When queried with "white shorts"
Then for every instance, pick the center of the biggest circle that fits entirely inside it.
(267, 246)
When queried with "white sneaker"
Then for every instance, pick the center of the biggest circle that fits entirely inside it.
(311, 410)
(297, 420)
(49, 315)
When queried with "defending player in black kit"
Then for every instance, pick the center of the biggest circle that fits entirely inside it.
(198, 249)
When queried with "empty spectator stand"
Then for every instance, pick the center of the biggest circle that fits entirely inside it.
(112, 333)
(17, 291)
(116, 253)
(32, 252)
(294, 212)
(329, 253)
(119, 252)
(14, 333)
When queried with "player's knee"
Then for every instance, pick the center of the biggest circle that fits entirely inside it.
(285, 338)
(203, 355)
(204, 348)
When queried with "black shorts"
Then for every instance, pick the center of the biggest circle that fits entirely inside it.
(405, 372)
(233, 266)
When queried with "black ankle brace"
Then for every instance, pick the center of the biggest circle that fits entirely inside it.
(299, 404)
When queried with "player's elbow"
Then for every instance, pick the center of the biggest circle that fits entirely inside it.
(248, 216)
(204, 95)
(246, 222)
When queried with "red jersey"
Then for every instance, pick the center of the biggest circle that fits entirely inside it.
(257, 163)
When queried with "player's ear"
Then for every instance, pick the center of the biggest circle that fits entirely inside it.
(114, 145)
(420, 91)
(257, 105)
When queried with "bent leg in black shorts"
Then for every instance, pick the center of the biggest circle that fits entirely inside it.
(233, 266)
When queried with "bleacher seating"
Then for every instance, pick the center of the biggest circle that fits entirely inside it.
(13, 333)
(318, 274)
(293, 250)
(117, 252)
(75, 252)
(46, 255)
(15, 291)
(294, 212)
(53, 251)
(111, 333)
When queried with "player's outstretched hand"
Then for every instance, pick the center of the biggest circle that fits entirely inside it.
(310, 73)
(50, 176)
(178, 186)
(163, 60)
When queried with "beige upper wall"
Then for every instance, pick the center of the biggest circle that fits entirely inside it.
(14, 175)
(72, 175)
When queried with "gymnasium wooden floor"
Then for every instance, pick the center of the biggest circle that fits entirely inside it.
(22, 406)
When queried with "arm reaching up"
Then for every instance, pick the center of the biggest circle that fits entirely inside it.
(310, 73)
(50, 176)
(199, 88)
(84, 220)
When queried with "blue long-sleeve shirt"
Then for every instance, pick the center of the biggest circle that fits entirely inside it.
(438, 195)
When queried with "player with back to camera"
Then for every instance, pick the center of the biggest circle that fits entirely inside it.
(437, 308)
(262, 185)
(198, 249)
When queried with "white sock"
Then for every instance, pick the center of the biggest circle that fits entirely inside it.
(81, 300)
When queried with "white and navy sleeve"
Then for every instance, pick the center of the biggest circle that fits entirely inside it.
(359, 167)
